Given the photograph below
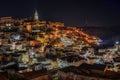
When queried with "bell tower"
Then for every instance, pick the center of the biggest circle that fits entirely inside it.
(36, 16)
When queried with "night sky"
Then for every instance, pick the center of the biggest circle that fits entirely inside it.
(71, 12)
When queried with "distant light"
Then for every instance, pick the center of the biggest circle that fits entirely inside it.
(117, 42)
(100, 40)
(16, 37)
(8, 25)
(32, 53)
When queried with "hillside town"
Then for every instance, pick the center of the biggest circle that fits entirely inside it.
(33, 49)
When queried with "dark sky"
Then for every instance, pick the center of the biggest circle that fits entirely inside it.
(71, 12)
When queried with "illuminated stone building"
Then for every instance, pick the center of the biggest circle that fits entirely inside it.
(6, 19)
(37, 75)
(86, 72)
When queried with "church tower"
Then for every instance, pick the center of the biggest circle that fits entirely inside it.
(36, 17)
